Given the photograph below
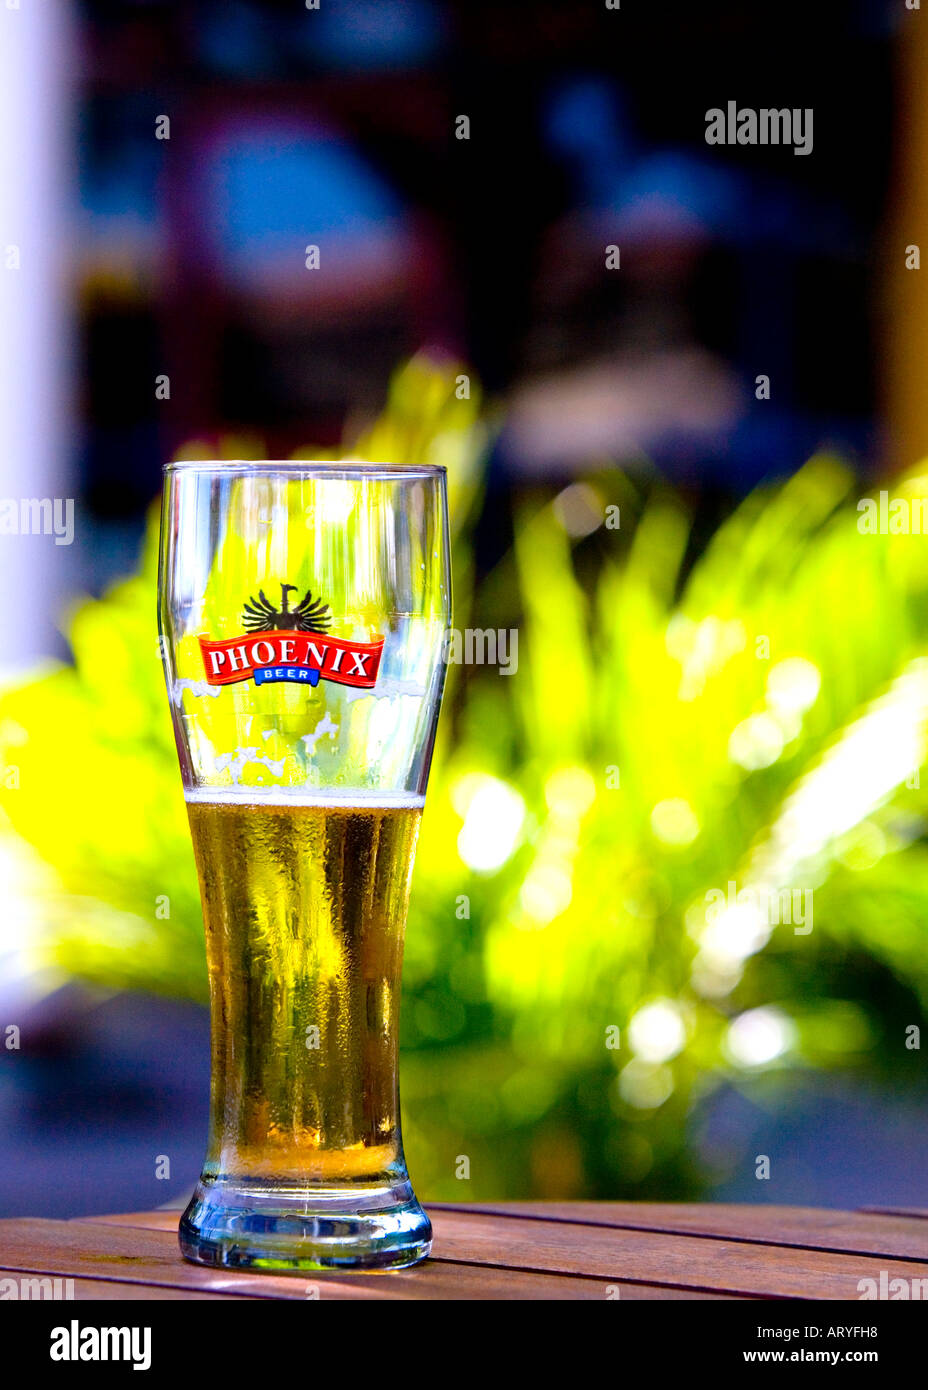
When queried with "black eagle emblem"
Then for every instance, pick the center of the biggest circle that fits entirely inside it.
(309, 615)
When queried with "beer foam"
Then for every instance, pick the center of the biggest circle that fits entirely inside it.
(363, 798)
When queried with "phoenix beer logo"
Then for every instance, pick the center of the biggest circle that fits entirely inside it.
(294, 645)
(261, 616)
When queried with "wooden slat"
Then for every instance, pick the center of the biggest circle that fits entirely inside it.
(146, 1256)
(108, 1290)
(872, 1231)
(917, 1213)
(684, 1261)
(73, 1248)
(161, 1219)
(687, 1261)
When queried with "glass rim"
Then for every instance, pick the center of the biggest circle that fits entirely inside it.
(317, 468)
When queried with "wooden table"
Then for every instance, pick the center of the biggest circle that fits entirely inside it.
(516, 1250)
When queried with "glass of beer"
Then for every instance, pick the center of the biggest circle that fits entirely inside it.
(303, 611)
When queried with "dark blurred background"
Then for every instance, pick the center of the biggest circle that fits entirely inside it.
(336, 128)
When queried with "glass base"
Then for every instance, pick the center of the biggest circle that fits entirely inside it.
(281, 1230)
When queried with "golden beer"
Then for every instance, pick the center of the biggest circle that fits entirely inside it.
(304, 905)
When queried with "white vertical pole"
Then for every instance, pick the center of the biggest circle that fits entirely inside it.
(37, 57)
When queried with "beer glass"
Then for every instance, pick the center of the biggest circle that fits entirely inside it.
(303, 608)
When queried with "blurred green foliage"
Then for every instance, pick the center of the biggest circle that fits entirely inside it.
(688, 722)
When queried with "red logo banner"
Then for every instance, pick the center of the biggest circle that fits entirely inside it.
(300, 657)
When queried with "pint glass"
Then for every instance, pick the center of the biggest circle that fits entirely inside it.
(303, 609)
